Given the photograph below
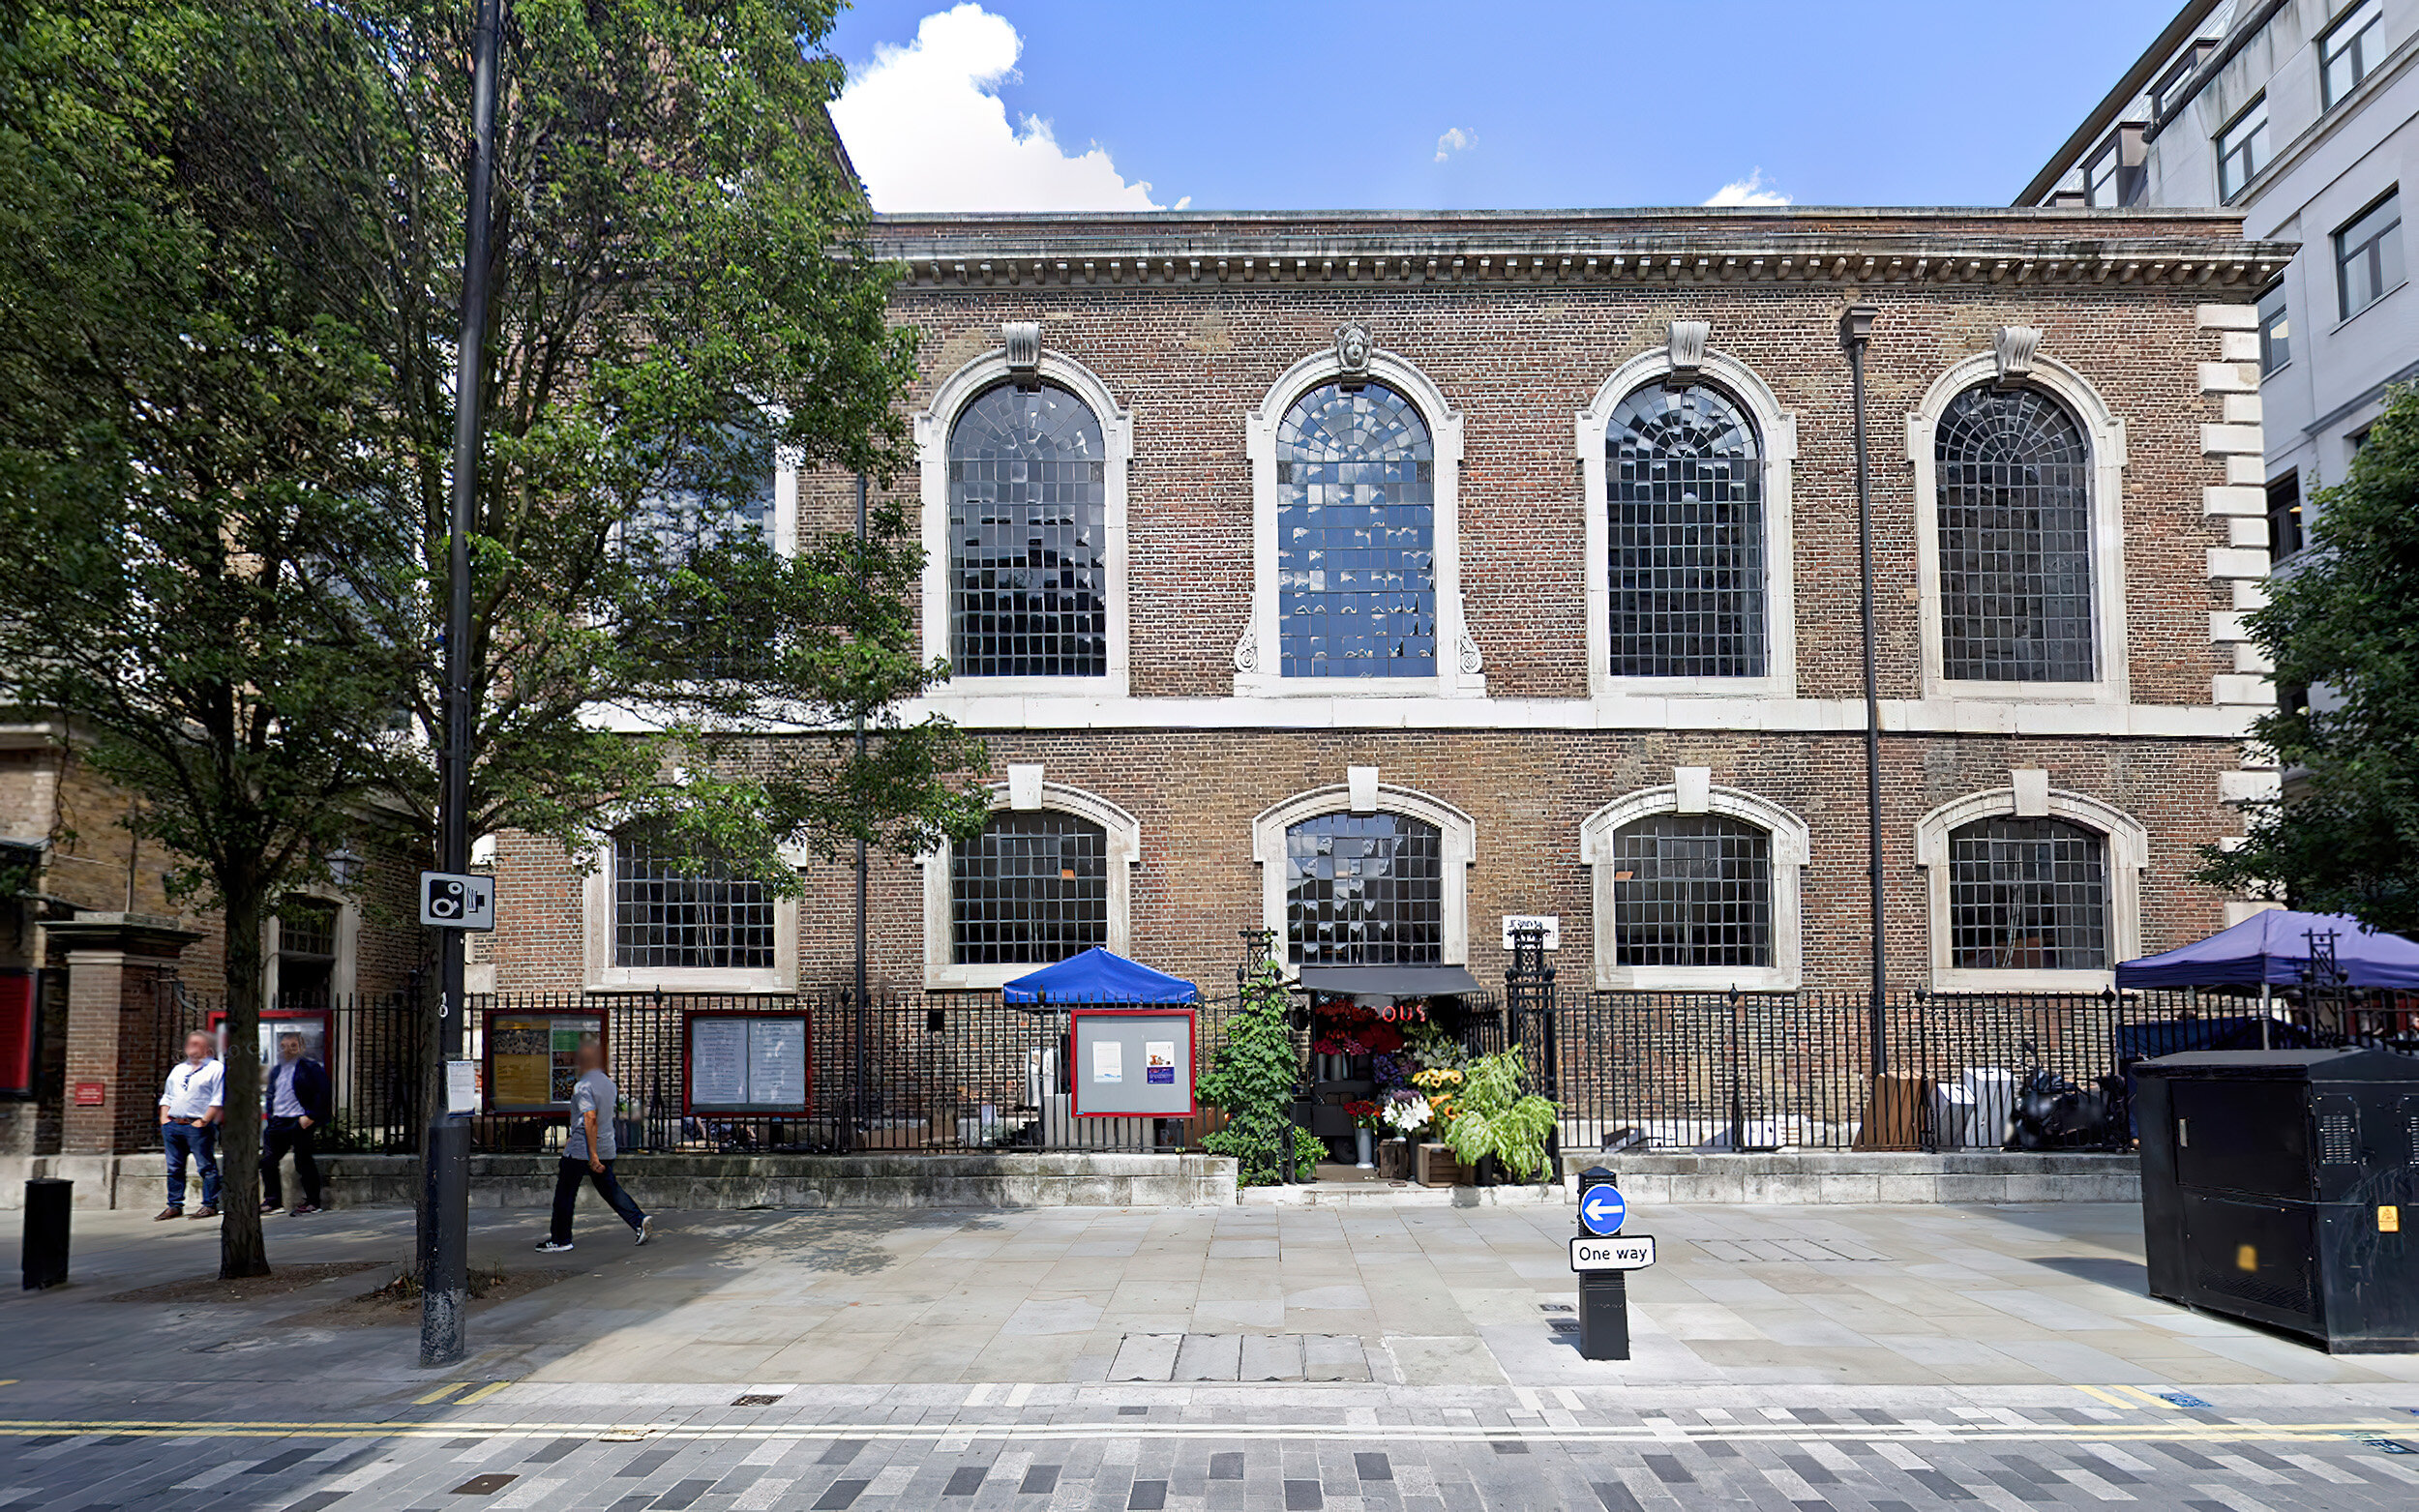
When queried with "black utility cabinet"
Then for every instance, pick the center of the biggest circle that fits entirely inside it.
(2277, 1186)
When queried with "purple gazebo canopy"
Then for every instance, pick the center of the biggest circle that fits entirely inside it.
(2274, 947)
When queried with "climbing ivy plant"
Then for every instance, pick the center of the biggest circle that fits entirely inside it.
(1252, 1079)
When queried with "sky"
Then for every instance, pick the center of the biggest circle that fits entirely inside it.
(1248, 104)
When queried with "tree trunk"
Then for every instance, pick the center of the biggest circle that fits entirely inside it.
(242, 1250)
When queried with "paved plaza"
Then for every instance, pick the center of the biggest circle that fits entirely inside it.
(1801, 1359)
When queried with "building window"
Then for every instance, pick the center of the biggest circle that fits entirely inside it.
(1364, 889)
(2115, 178)
(2169, 96)
(1355, 477)
(1692, 890)
(1685, 512)
(2027, 895)
(306, 950)
(2013, 495)
(667, 914)
(2350, 49)
(1031, 889)
(1027, 529)
(2243, 150)
(2275, 332)
(683, 538)
(2369, 255)
(2284, 534)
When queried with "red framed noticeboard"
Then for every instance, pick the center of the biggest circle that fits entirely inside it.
(316, 1026)
(1132, 1063)
(21, 1033)
(532, 1060)
(737, 1062)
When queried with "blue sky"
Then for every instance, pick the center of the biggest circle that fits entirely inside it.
(1341, 104)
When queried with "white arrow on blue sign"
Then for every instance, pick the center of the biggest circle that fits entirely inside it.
(1602, 1210)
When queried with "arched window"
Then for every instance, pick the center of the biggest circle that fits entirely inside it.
(668, 914)
(1031, 889)
(1692, 890)
(1356, 581)
(1685, 516)
(2028, 894)
(2013, 484)
(1028, 506)
(1364, 889)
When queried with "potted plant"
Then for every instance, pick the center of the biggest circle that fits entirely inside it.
(1493, 1118)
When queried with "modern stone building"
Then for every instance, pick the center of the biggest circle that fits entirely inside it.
(1374, 577)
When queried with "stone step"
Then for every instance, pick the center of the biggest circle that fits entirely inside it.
(1396, 1194)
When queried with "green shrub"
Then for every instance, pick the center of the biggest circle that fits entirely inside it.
(1493, 1117)
(1251, 1078)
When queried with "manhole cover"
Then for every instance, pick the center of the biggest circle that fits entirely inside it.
(484, 1485)
(754, 1399)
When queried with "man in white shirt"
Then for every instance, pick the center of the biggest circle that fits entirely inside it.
(189, 1109)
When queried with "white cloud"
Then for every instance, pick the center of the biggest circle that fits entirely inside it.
(1454, 140)
(1748, 191)
(927, 130)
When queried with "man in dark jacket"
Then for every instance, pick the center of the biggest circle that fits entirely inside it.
(298, 1096)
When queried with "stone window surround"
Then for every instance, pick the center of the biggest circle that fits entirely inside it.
(1692, 792)
(933, 428)
(2104, 431)
(2029, 795)
(1026, 791)
(341, 972)
(1363, 794)
(1776, 436)
(1256, 654)
(601, 975)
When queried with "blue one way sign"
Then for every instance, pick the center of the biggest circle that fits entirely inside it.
(1601, 1210)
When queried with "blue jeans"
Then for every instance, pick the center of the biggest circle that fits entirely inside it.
(202, 1143)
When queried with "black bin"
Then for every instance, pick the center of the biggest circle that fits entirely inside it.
(48, 1202)
(2276, 1188)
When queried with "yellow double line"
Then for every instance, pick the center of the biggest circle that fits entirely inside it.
(2130, 1406)
(432, 1397)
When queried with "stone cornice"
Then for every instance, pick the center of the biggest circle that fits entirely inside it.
(1861, 248)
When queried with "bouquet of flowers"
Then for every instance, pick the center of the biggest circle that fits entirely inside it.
(1364, 1114)
(1442, 1086)
(1408, 1117)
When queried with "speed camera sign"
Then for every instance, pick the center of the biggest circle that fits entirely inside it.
(457, 901)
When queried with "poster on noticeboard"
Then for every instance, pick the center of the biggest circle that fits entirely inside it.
(533, 1058)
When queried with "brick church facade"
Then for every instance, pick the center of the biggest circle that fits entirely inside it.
(1374, 577)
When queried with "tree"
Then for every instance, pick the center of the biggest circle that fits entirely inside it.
(681, 295)
(2341, 625)
(1253, 1079)
(181, 470)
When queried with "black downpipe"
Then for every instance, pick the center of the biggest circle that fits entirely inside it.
(1856, 334)
(859, 1123)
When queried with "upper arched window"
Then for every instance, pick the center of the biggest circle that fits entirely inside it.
(2027, 894)
(1692, 890)
(1357, 580)
(670, 913)
(2012, 478)
(1028, 509)
(1685, 516)
(1364, 889)
(1031, 888)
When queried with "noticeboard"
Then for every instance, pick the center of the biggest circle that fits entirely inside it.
(749, 1063)
(314, 1025)
(1131, 1062)
(532, 1058)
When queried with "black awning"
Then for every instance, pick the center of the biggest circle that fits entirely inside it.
(1390, 982)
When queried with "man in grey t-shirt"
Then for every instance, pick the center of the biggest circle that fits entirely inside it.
(588, 1151)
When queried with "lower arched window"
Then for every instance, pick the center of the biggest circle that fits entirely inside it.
(1364, 889)
(1031, 889)
(2028, 894)
(1692, 890)
(670, 915)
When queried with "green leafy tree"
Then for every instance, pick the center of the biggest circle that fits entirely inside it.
(180, 473)
(2343, 620)
(1493, 1117)
(1252, 1079)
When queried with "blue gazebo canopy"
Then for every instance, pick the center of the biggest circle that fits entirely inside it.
(1098, 976)
(2273, 947)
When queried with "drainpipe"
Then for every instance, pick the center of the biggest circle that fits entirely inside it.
(861, 1015)
(1855, 333)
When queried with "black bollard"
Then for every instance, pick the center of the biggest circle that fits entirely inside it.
(48, 1202)
(1603, 1295)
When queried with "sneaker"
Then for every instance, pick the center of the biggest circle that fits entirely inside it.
(300, 1208)
(550, 1247)
(268, 1208)
(166, 1213)
(205, 1212)
(641, 1231)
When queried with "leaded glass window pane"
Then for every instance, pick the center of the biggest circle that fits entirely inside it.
(1364, 889)
(1692, 890)
(2028, 894)
(1028, 538)
(1033, 888)
(1686, 527)
(2014, 521)
(1355, 522)
(666, 914)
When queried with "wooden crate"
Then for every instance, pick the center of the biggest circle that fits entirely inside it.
(1434, 1166)
(1394, 1160)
